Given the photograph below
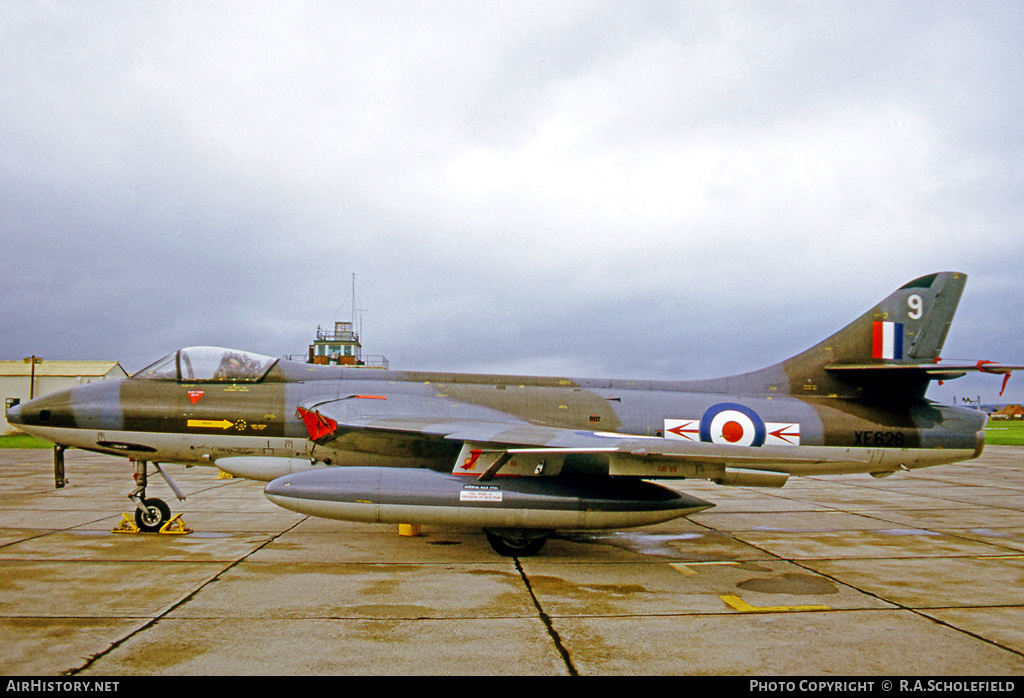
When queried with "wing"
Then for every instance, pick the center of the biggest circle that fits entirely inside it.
(497, 443)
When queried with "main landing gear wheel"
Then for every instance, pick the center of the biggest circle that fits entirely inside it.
(153, 516)
(516, 544)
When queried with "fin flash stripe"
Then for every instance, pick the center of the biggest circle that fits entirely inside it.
(887, 340)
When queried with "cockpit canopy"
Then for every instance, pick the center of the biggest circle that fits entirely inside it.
(211, 364)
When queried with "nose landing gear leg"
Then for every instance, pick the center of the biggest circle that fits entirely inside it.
(150, 514)
(58, 466)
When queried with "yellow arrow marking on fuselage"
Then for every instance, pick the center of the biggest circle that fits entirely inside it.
(210, 423)
(744, 607)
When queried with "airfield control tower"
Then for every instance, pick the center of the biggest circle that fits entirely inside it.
(342, 348)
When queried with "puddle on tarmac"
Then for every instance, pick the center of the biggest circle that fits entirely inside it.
(909, 532)
(790, 583)
(642, 543)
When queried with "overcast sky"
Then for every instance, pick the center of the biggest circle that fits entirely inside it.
(642, 189)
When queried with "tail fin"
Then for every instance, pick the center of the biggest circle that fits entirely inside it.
(904, 331)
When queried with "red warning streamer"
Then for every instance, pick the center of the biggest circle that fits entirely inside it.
(317, 425)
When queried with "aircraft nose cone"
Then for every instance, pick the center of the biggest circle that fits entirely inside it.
(53, 410)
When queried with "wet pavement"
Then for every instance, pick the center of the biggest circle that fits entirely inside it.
(918, 574)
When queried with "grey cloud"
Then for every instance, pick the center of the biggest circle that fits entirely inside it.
(658, 190)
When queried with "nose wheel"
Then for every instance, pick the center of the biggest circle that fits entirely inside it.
(151, 513)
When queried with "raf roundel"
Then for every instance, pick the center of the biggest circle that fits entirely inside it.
(730, 423)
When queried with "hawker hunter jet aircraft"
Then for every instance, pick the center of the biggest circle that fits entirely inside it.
(522, 457)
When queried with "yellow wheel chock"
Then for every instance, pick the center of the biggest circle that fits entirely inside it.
(126, 525)
(224, 476)
(175, 527)
(408, 529)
